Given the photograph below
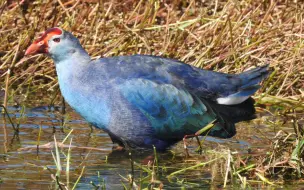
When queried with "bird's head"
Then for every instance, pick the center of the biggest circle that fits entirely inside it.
(57, 43)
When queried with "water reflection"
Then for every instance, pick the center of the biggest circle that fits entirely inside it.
(22, 167)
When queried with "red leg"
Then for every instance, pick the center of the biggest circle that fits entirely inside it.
(185, 143)
(198, 133)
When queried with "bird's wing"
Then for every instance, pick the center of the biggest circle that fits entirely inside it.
(222, 88)
(204, 83)
(169, 109)
(227, 89)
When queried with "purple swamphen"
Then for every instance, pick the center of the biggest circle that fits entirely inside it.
(143, 100)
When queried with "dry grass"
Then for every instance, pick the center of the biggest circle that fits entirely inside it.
(228, 36)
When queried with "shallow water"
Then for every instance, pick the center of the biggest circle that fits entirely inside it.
(22, 166)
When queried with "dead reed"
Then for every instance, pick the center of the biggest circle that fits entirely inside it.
(227, 36)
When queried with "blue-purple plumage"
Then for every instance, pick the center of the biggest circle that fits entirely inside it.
(148, 100)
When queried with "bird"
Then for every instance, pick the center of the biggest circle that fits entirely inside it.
(146, 101)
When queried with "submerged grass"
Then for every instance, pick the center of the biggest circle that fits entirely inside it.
(276, 166)
(57, 177)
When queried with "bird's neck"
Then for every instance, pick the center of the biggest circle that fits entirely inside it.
(74, 76)
(71, 64)
(71, 55)
(69, 71)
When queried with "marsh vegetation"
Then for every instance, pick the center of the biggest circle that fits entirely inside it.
(226, 36)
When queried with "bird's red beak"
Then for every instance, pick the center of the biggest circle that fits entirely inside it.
(41, 44)
(37, 47)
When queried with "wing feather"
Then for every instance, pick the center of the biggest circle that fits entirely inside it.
(170, 110)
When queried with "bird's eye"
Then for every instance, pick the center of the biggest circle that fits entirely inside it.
(56, 40)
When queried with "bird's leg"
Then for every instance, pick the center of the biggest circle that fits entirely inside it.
(120, 144)
(199, 144)
(206, 129)
(185, 143)
(118, 148)
(185, 146)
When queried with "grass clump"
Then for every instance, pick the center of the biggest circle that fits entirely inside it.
(227, 36)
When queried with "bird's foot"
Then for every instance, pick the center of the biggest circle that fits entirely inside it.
(118, 148)
(149, 160)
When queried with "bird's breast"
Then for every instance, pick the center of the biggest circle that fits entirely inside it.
(90, 99)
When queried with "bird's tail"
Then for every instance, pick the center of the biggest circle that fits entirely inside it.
(250, 83)
(254, 76)
(228, 115)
